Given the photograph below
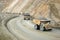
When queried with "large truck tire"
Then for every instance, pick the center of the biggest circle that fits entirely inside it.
(37, 27)
(44, 29)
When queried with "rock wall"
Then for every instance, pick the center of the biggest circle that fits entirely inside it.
(8, 15)
(55, 14)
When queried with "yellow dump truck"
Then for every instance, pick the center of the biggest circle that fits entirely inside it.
(42, 25)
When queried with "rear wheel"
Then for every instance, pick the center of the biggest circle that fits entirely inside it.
(44, 29)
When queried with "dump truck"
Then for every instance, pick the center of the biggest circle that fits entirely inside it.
(26, 16)
(42, 25)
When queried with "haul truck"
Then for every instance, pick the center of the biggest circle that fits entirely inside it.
(43, 25)
(26, 16)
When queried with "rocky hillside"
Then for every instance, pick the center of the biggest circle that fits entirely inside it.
(42, 8)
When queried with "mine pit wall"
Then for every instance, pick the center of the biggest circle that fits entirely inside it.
(8, 15)
(55, 14)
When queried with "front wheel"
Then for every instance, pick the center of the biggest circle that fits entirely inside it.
(35, 27)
